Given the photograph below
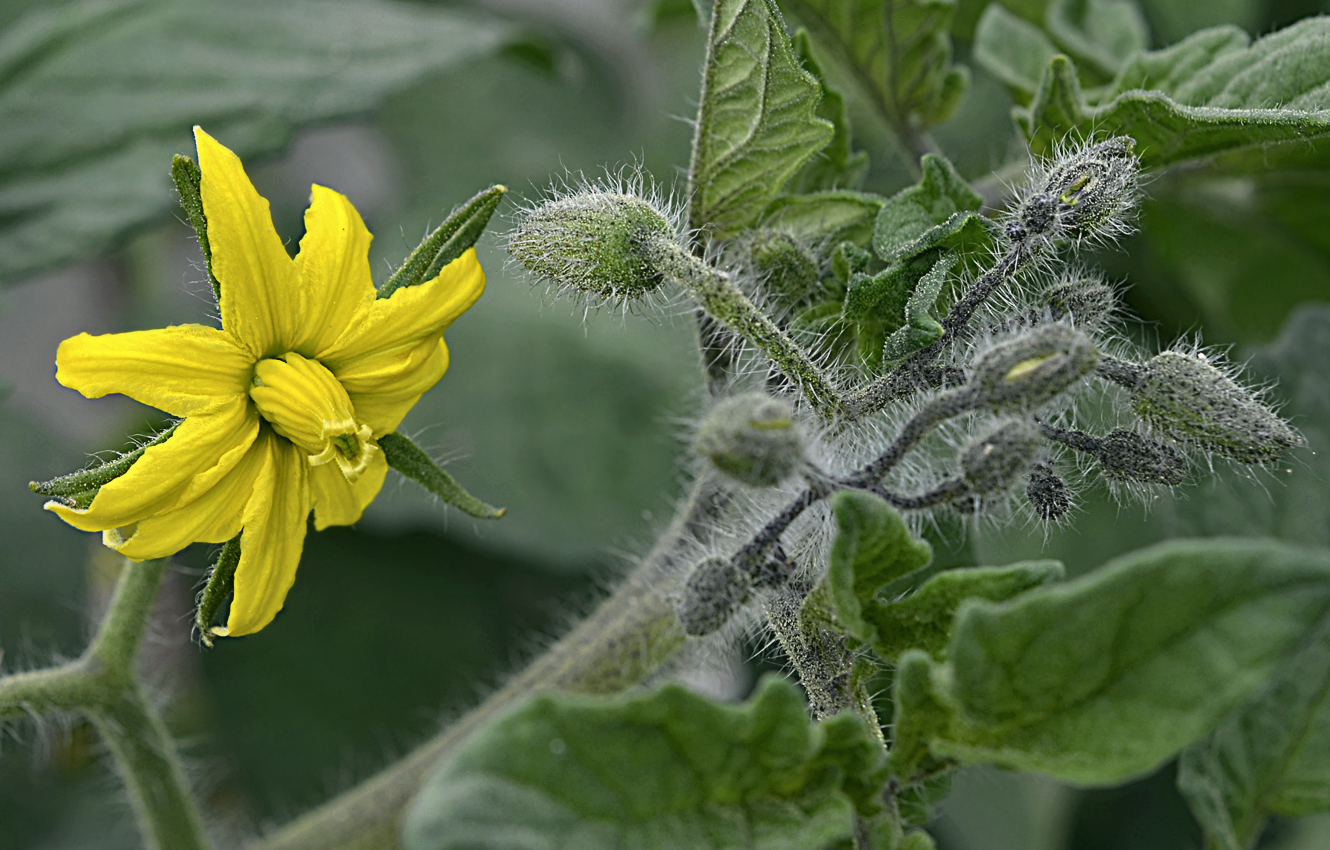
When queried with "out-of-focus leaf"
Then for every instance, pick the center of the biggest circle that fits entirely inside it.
(826, 217)
(838, 165)
(1101, 33)
(96, 96)
(1106, 677)
(895, 55)
(1270, 757)
(667, 769)
(1214, 92)
(1012, 49)
(757, 123)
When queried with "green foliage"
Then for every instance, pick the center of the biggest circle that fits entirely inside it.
(1215, 91)
(661, 769)
(96, 96)
(873, 548)
(757, 123)
(830, 217)
(1104, 678)
(918, 326)
(941, 210)
(1013, 50)
(896, 56)
(1103, 34)
(838, 166)
(923, 620)
(1270, 757)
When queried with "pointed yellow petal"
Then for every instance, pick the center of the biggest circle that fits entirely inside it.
(334, 275)
(182, 369)
(339, 502)
(396, 325)
(275, 520)
(214, 517)
(203, 449)
(385, 388)
(260, 302)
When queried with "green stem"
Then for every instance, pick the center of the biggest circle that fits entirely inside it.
(725, 302)
(619, 645)
(64, 688)
(146, 759)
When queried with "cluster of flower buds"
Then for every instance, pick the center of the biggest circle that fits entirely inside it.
(752, 438)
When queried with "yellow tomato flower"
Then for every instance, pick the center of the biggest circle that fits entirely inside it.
(282, 406)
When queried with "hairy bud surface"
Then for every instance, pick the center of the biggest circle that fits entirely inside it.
(789, 269)
(1086, 192)
(752, 437)
(606, 244)
(714, 591)
(1187, 398)
(1048, 494)
(1125, 455)
(1087, 301)
(1033, 368)
(993, 464)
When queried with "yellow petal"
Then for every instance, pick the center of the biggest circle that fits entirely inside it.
(203, 449)
(339, 502)
(384, 389)
(396, 325)
(334, 274)
(182, 369)
(275, 520)
(214, 517)
(260, 300)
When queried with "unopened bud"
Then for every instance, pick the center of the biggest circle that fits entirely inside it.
(606, 244)
(752, 437)
(1085, 192)
(1032, 369)
(1087, 301)
(1049, 495)
(1187, 398)
(1125, 455)
(789, 269)
(993, 464)
(714, 591)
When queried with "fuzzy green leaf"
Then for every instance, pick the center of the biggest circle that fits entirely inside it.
(919, 327)
(447, 242)
(923, 620)
(1270, 757)
(895, 56)
(757, 123)
(873, 548)
(826, 217)
(1213, 92)
(667, 769)
(940, 210)
(1104, 34)
(96, 97)
(838, 165)
(1104, 678)
(1013, 50)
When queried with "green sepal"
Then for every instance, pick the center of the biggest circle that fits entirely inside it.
(221, 581)
(411, 460)
(1212, 92)
(838, 165)
(923, 620)
(447, 242)
(187, 176)
(940, 211)
(78, 489)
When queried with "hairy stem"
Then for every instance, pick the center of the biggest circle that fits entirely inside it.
(726, 303)
(64, 688)
(625, 640)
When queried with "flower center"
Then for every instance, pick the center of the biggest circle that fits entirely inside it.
(305, 403)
